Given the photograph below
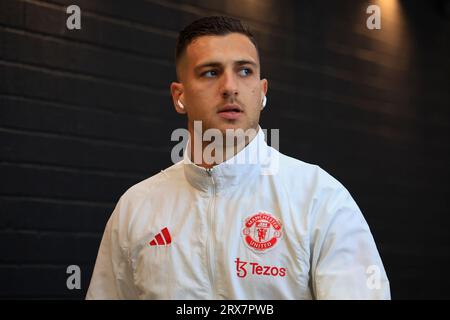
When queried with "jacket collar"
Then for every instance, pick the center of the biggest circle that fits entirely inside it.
(241, 167)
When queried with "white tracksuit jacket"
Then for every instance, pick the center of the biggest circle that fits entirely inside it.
(272, 228)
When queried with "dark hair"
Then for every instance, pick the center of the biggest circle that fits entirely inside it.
(213, 25)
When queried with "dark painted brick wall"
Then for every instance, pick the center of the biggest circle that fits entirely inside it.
(84, 114)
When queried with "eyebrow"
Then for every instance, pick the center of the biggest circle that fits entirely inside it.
(218, 64)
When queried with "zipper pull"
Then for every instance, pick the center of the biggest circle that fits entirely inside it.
(209, 171)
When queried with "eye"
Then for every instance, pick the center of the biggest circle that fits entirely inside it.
(209, 73)
(245, 72)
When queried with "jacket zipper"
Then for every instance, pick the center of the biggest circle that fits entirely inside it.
(210, 240)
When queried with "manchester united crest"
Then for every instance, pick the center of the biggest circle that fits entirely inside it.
(261, 231)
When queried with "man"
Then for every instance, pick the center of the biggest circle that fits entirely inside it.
(256, 224)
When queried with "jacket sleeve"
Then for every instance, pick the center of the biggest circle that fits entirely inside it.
(112, 277)
(345, 263)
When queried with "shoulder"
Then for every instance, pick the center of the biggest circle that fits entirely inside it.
(147, 192)
(154, 184)
(323, 194)
(298, 173)
(310, 183)
(136, 203)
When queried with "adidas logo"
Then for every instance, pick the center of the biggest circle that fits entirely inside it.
(159, 241)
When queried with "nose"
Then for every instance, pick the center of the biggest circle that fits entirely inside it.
(229, 86)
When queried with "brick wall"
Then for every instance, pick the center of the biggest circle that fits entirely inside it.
(84, 114)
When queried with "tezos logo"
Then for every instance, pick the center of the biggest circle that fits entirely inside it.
(243, 267)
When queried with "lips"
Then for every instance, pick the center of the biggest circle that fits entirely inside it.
(231, 107)
(230, 111)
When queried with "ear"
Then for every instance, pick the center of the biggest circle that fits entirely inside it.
(176, 90)
(264, 86)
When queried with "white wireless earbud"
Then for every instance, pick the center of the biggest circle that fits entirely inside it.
(180, 104)
(264, 102)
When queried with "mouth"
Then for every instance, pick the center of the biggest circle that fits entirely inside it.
(230, 111)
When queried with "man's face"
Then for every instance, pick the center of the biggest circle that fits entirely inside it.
(220, 83)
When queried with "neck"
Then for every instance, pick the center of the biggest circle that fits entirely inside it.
(207, 154)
